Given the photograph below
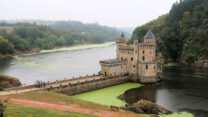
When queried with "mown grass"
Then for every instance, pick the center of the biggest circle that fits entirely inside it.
(55, 98)
(171, 65)
(108, 96)
(14, 110)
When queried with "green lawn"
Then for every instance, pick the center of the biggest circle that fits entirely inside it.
(14, 110)
(108, 96)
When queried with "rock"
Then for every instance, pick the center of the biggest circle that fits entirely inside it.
(148, 107)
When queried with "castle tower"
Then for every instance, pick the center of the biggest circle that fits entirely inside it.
(120, 42)
(136, 43)
(147, 70)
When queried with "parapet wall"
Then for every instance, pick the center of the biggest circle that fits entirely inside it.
(86, 86)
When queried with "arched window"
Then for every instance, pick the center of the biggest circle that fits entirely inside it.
(131, 58)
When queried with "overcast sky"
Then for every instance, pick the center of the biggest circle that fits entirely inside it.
(120, 13)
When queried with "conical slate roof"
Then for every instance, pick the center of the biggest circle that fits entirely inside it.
(135, 37)
(149, 35)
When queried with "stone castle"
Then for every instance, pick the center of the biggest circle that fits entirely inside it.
(137, 60)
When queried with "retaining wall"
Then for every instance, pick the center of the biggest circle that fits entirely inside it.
(87, 86)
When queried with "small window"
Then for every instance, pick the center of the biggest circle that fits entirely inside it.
(134, 66)
(143, 58)
(143, 51)
(131, 58)
(146, 66)
(121, 58)
(150, 52)
(154, 67)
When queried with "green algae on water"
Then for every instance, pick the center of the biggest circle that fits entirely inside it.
(108, 96)
(180, 114)
(79, 47)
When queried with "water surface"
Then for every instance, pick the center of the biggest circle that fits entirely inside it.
(182, 89)
(56, 65)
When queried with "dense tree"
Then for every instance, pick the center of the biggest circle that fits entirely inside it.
(31, 35)
(5, 46)
(183, 32)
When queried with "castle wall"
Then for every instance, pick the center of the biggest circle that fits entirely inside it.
(114, 67)
(115, 70)
(146, 53)
(147, 72)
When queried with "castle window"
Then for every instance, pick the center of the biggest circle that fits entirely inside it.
(121, 58)
(154, 67)
(131, 58)
(146, 66)
(134, 66)
(143, 51)
(150, 52)
(143, 58)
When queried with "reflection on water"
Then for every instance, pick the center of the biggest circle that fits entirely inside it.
(56, 65)
(181, 90)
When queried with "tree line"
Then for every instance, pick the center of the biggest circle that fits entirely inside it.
(182, 33)
(27, 36)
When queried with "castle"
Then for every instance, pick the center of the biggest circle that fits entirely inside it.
(137, 60)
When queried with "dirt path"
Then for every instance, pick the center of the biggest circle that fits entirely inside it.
(53, 84)
(71, 108)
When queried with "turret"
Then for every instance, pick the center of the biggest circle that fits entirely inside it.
(149, 38)
(121, 40)
(148, 48)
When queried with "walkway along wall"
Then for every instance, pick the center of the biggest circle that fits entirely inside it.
(86, 86)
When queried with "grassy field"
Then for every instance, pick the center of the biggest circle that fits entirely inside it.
(14, 110)
(108, 96)
(55, 98)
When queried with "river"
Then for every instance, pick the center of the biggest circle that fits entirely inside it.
(182, 89)
(58, 65)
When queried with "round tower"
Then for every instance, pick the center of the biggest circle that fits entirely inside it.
(120, 42)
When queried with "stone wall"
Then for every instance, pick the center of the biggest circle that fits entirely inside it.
(87, 86)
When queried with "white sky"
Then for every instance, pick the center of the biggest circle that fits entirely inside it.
(119, 13)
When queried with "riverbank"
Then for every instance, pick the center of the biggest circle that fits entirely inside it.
(56, 49)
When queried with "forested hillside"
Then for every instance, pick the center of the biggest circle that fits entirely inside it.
(183, 32)
(26, 36)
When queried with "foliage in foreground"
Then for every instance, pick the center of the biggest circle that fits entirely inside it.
(3, 105)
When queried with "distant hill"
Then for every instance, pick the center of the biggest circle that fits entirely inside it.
(183, 32)
(24, 35)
